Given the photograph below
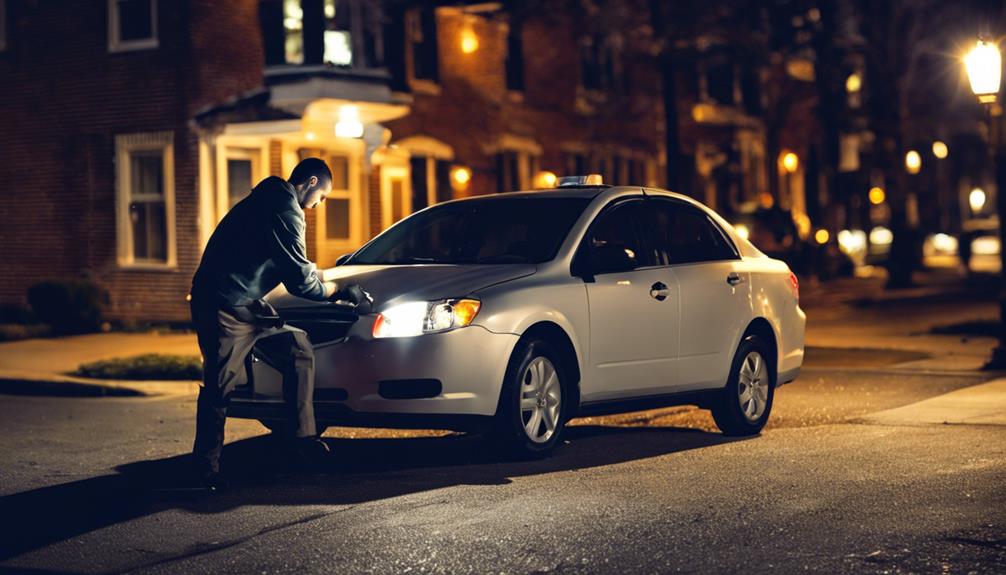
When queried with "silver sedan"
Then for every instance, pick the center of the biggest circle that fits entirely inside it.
(513, 313)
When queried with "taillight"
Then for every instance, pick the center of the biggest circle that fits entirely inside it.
(795, 283)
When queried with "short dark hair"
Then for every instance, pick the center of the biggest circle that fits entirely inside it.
(311, 167)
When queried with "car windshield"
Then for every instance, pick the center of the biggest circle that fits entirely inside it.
(495, 230)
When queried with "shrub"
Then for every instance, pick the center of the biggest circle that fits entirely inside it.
(68, 306)
(147, 366)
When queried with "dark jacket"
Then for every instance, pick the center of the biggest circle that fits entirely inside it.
(258, 245)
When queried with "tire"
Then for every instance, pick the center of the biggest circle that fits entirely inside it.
(743, 408)
(537, 376)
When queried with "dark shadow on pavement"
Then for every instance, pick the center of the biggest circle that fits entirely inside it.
(362, 470)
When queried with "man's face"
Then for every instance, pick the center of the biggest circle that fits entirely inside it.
(315, 193)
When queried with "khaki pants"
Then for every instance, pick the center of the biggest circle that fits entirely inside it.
(225, 342)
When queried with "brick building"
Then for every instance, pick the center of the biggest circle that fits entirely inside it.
(134, 125)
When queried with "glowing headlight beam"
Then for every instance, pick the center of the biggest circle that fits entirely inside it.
(418, 318)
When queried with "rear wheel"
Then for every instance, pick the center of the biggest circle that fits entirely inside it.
(743, 406)
(531, 414)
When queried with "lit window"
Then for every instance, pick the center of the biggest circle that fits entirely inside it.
(337, 206)
(293, 26)
(146, 199)
(132, 25)
(338, 33)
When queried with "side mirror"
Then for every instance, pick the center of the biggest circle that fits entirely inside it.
(609, 258)
(342, 259)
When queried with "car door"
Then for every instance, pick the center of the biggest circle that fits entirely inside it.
(714, 292)
(632, 308)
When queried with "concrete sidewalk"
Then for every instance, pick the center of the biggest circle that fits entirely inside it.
(44, 362)
(983, 404)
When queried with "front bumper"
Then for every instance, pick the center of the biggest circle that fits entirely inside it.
(468, 363)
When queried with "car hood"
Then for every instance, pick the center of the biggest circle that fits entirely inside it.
(393, 284)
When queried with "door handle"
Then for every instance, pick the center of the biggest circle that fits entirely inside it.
(734, 278)
(659, 291)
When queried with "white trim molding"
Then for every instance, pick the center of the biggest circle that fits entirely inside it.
(125, 146)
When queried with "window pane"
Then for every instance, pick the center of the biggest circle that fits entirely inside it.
(424, 46)
(239, 174)
(146, 173)
(495, 229)
(397, 200)
(337, 219)
(419, 188)
(444, 191)
(149, 231)
(617, 228)
(720, 81)
(135, 20)
(340, 172)
(683, 234)
(293, 24)
(515, 59)
(338, 48)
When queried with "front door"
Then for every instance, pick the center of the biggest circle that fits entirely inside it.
(633, 309)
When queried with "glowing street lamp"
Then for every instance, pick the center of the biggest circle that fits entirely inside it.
(984, 65)
(877, 195)
(913, 162)
(790, 162)
(976, 199)
(940, 149)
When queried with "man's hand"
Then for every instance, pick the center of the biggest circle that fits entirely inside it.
(331, 289)
(355, 295)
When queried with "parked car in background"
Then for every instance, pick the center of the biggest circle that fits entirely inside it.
(513, 313)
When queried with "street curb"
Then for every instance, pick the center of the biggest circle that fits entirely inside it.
(55, 385)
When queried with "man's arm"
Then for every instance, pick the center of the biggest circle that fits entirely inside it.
(297, 272)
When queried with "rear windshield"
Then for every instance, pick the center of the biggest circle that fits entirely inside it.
(485, 231)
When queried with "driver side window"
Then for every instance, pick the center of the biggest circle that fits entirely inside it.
(614, 241)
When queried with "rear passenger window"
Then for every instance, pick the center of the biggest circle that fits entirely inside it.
(684, 234)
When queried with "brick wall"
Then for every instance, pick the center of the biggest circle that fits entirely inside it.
(70, 98)
(473, 108)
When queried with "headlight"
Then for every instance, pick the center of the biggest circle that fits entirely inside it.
(417, 318)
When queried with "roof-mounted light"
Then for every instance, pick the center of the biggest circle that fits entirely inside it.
(576, 181)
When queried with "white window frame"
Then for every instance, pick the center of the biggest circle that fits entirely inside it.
(328, 249)
(236, 148)
(125, 145)
(529, 154)
(388, 174)
(3, 25)
(115, 44)
(432, 150)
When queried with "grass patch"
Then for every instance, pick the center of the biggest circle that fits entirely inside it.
(16, 331)
(151, 366)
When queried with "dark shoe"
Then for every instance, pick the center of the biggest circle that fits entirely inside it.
(311, 452)
(214, 481)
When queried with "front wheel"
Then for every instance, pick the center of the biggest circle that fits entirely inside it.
(531, 414)
(743, 406)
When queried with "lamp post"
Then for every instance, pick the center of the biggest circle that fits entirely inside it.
(984, 66)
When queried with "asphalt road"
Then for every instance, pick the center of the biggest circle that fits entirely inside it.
(90, 485)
